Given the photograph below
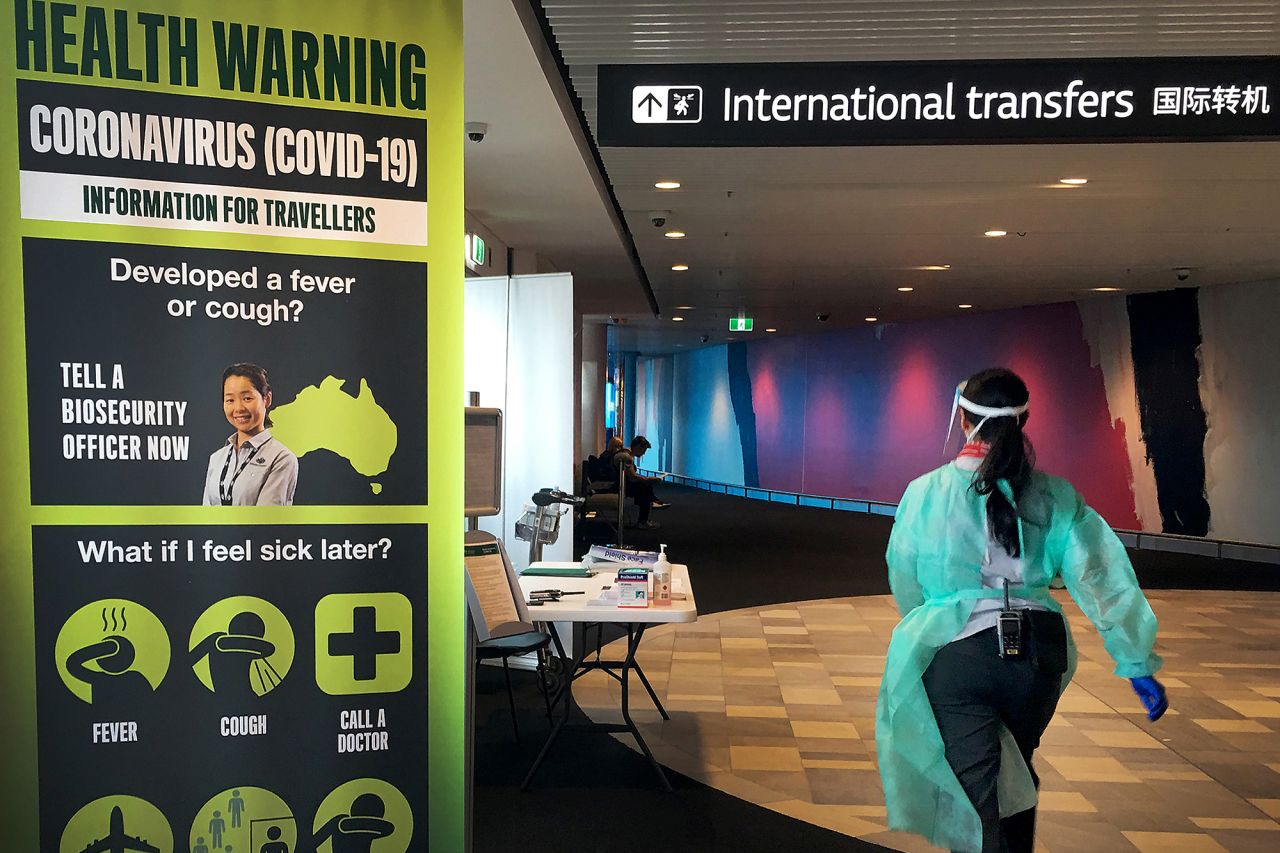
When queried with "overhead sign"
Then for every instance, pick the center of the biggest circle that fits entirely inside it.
(883, 103)
(741, 324)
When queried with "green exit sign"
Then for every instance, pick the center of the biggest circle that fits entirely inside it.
(476, 250)
(740, 324)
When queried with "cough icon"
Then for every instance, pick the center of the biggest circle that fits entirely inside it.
(241, 647)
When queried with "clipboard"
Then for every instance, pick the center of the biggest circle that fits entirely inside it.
(493, 590)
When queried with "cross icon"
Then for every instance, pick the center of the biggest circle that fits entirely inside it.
(364, 643)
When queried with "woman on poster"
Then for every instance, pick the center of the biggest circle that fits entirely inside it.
(252, 468)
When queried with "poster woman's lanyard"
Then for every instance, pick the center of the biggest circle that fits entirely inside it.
(224, 488)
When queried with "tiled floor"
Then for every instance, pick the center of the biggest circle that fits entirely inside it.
(777, 706)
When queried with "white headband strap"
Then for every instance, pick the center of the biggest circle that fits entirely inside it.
(988, 412)
(985, 412)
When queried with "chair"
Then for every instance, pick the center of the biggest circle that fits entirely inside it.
(502, 627)
(516, 645)
(607, 502)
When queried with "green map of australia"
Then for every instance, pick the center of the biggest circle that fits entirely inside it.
(328, 418)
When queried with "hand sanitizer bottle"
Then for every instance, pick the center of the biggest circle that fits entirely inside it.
(662, 578)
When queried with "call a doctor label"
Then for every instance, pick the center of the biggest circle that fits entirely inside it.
(363, 730)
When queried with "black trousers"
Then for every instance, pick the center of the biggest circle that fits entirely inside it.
(973, 691)
(641, 491)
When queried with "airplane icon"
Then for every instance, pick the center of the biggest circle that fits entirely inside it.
(117, 841)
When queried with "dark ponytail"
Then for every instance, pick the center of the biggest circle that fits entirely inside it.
(1010, 457)
(257, 377)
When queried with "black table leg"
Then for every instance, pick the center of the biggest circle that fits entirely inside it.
(565, 694)
(634, 633)
(652, 695)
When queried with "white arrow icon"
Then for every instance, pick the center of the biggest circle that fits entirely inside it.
(666, 104)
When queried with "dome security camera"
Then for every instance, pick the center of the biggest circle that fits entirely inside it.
(1183, 273)
(823, 316)
(704, 338)
(476, 130)
(658, 218)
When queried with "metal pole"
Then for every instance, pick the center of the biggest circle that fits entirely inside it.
(535, 541)
(622, 505)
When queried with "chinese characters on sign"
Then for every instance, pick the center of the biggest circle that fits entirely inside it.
(1202, 100)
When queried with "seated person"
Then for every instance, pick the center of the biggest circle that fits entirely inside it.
(639, 486)
(600, 469)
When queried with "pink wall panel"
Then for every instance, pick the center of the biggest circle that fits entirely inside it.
(860, 413)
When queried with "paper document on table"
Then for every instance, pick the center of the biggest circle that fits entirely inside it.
(488, 574)
(608, 598)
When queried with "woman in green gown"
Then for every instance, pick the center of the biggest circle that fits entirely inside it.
(958, 715)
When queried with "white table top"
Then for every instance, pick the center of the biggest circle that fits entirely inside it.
(576, 608)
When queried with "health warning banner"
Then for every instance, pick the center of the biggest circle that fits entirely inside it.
(230, 338)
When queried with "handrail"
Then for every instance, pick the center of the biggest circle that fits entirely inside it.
(1142, 540)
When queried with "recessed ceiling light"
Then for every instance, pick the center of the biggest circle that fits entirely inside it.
(771, 330)
(1105, 289)
(668, 185)
(1075, 182)
(995, 232)
(905, 289)
(934, 267)
(679, 267)
(964, 305)
(674, 235)
(684, 307)
(677, 319)
(871, 319)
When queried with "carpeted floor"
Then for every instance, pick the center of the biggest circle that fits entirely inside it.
(596, 794)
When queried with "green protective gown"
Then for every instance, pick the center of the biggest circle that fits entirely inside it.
(935, 552)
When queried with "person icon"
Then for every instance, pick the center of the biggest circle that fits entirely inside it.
(113, 680)
(200, 847)
(236, 807)
(238, 661)
(356, 832)
(274, 845)
(216, 826)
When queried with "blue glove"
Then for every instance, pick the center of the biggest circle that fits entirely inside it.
(1151, 692)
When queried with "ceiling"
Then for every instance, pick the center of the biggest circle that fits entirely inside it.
(785, 234)
(528, 181)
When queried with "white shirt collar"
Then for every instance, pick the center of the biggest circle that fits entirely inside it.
(257, 441)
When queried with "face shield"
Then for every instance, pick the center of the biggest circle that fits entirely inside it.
(984, 412)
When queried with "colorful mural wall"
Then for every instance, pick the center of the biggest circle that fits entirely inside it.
(1161, 408)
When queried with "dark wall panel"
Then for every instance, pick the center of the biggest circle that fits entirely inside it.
(1165, 331)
